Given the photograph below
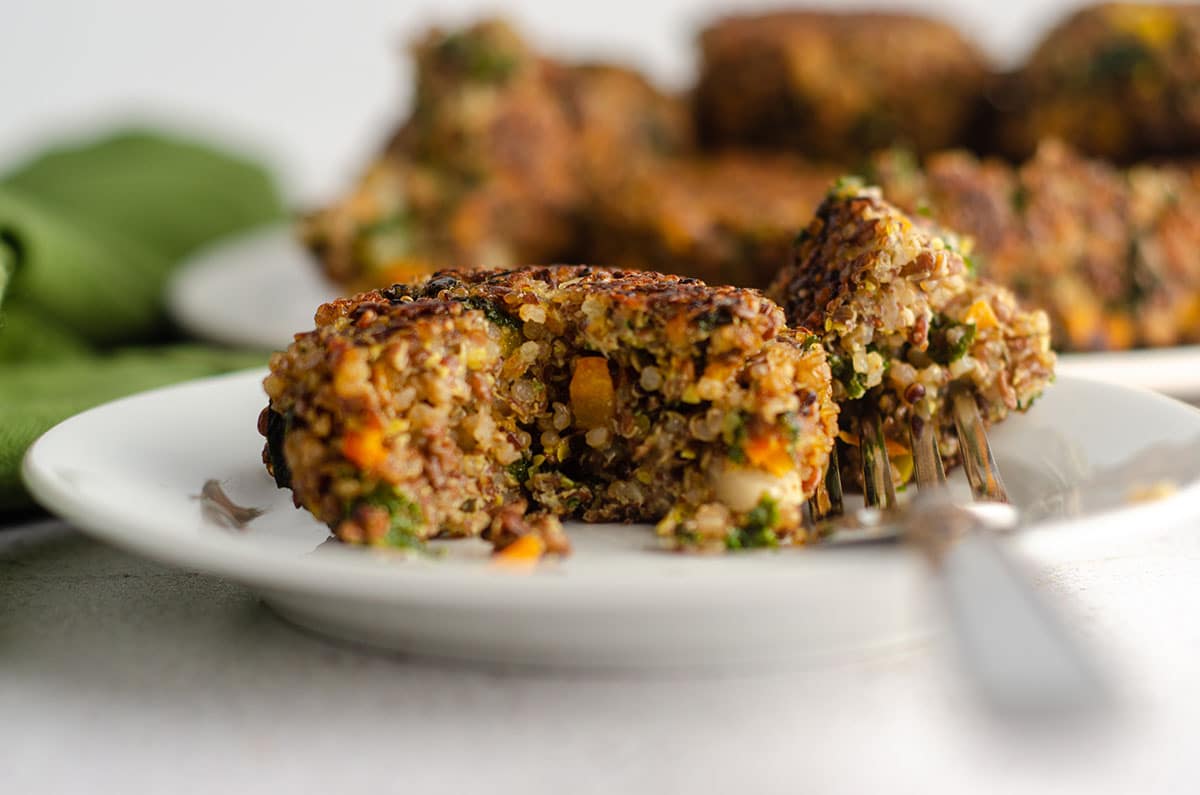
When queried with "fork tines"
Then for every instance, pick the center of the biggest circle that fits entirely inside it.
(878, 491)
(978, 460)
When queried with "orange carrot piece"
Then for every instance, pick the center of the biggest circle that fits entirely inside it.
(527, 550)
(768, 451)
(364, 448)
(593, 398)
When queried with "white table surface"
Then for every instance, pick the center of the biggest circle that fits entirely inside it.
(122, 675)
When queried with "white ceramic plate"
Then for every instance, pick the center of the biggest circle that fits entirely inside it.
(129, 472)
(260, 289)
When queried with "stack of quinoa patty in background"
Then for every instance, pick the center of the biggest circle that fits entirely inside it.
(1073, 176)
(1064, 186)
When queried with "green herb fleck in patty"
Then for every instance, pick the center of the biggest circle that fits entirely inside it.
(479, 61)
(406, 517)
(493, 313)
(759, 528)
(950, 341)
(851, 379)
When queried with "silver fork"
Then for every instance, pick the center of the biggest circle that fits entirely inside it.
(1016, 649)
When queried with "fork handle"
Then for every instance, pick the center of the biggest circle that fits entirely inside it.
(1017, 649)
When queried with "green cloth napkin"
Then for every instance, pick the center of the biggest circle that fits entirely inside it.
(89, 235)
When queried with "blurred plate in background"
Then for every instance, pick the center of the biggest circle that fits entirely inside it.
(251, 291)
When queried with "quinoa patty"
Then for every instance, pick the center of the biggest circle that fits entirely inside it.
(902, 319)
(727, 218)
(1116, 80)
(1109, 253)
(837, 85)
(492, 167)
(490, 402)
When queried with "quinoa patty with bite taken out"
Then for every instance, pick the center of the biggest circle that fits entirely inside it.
(903, 319)
(492, 403)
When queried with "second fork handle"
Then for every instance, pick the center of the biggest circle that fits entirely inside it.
(1016, 648)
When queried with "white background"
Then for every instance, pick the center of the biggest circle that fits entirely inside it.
(313, 86)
